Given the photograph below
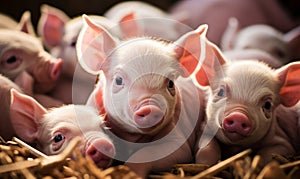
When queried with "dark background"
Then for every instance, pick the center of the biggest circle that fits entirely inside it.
(15, 8)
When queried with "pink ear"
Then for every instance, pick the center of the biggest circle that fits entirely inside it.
(25, 114)
(200, 57)
(51, 25)
(229, 35)
(25, 24)
(290, 83)
(93, 46)
(129, 26)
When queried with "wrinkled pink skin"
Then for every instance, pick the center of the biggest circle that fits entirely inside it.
(59, 34)
(241, 43)
(141, 104)
(247, 109)
(53, 129)
(216, 14)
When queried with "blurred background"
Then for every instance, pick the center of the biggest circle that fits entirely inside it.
(15, 8)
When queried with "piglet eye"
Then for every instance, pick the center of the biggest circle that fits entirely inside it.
(73, 44)
(267, 105)
(58, 138)
(266, 108)
(11, 60)
(170, 84)
(221, 92)
(171, 87)
(11, 63)
(119, 80)
(58, 141)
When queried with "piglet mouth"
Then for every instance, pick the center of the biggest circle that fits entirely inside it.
(234, 136)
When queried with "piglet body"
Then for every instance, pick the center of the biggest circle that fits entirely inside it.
(262, 37)
(251, 107)
(6, 130)
(217, 13)
(146, 92)
(53, 129)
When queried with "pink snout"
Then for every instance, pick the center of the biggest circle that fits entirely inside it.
(148, 116)
(237, 122)
(101, 152)
(55, 69)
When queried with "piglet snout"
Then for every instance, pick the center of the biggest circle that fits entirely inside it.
(101, 152)
(148, 116)
(237, 122)
(56, 69)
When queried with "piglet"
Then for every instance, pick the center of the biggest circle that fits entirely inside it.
(243, 110)
(53, 129)
(145, 19)
(59, 33)
(147, 90)
(216, 14)
(281, 46)
(23, 52)
(6, 130)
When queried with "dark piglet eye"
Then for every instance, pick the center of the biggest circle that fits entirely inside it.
(267, 105)
(171, 87)
(58, 138)
(119, 80)
(170, 84)
(73, 44)
(221, 92)
(11, 60)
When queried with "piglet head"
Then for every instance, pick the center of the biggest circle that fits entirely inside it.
(22, 52)
(139, 90)
(244, 97)
(52, 130)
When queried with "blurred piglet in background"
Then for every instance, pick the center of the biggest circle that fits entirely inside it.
(216, 14)
(251, 106)
(143, 19)
(59, 33)
(24, 60)
(152, 105)
(282, 47)
(53, 129)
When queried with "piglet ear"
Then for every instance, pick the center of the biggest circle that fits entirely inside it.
(288, 76)
(51, 25)
(25, 24)
(25, 114)
(129, 26)
(198, 56)
(229, 35)
(93, 45)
